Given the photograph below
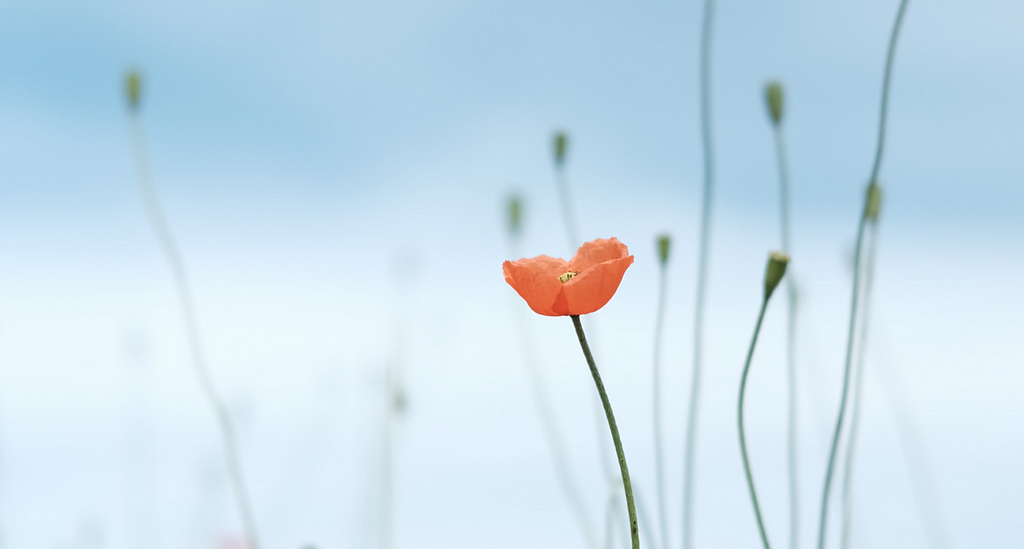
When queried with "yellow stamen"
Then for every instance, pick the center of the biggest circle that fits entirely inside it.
(565, 277)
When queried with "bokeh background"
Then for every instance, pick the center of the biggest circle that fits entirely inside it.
(336, 174)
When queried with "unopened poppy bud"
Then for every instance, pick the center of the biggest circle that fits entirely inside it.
(874, 202)
(133, 85)
(515, 214)
(773, 274)
(561, 142)
(773, 94)
(664, 243)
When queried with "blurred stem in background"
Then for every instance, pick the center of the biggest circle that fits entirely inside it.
(170, 248)
(627, 487)
(552, 430)
(561, 152)
(858, 384)
(776, 101)
(702, 272)
(915, 458)
(774, 272)
(664, 243)
(871, 200)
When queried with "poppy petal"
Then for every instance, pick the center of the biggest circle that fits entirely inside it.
(592, 289)
(596, 252)
(536, 281)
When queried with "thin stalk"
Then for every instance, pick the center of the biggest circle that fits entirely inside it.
(163, 233)
(553, 432)
(858, 390)
(702, 271)
(823, 520)
(572, 233)
(792, 429)
(743, 436)
(659, 456)
(627, 487)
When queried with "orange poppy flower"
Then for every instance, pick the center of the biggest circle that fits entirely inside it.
(555, 287)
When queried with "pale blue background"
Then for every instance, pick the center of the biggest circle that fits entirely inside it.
(304, 149)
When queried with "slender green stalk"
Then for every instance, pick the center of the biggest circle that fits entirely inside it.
(627, 487)
(743, 436)
(659, 456)
(792, 430)
(170, 249)
(823, 519)
(573, 234)
(858, 389)
(552, 430)
(702, 272)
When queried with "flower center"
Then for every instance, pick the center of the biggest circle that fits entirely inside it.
(565, 277)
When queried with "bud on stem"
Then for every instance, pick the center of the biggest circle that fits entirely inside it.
(773, 95)
(561, 143)
(873, 202)
(133, 89)
(773, 274)
(664, 243)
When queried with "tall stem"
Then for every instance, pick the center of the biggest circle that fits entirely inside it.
(883, 112)
(170, 249)
(634, 529)
(659, 457)
(702, 270)
(858, 389)
(743, 436)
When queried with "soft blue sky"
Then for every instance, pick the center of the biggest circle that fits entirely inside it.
(299, 147)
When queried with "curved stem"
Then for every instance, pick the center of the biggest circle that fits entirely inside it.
(634, 530)
(553, 434)
(743, 437)
(858, 389)
(702, 269)
(823, 519)
(659, 456)
(792, 430)
(170, 249)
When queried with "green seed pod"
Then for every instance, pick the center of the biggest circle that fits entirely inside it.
(873, 203)
(664, 243)
(515, 214)
(133, 88)
(561, 143)
(773, 274)
(773, 94)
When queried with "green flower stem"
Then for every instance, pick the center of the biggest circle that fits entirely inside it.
(823, 519)
(659, 457)
(702, 271)
(792, 430)
(743, 437)
(626, 485)
(170, 248)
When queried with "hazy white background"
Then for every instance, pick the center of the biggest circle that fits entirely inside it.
(335, 175)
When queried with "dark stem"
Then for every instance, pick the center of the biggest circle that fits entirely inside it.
(743, 436)
(659, 457)
(634, 530)
(702, 268)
